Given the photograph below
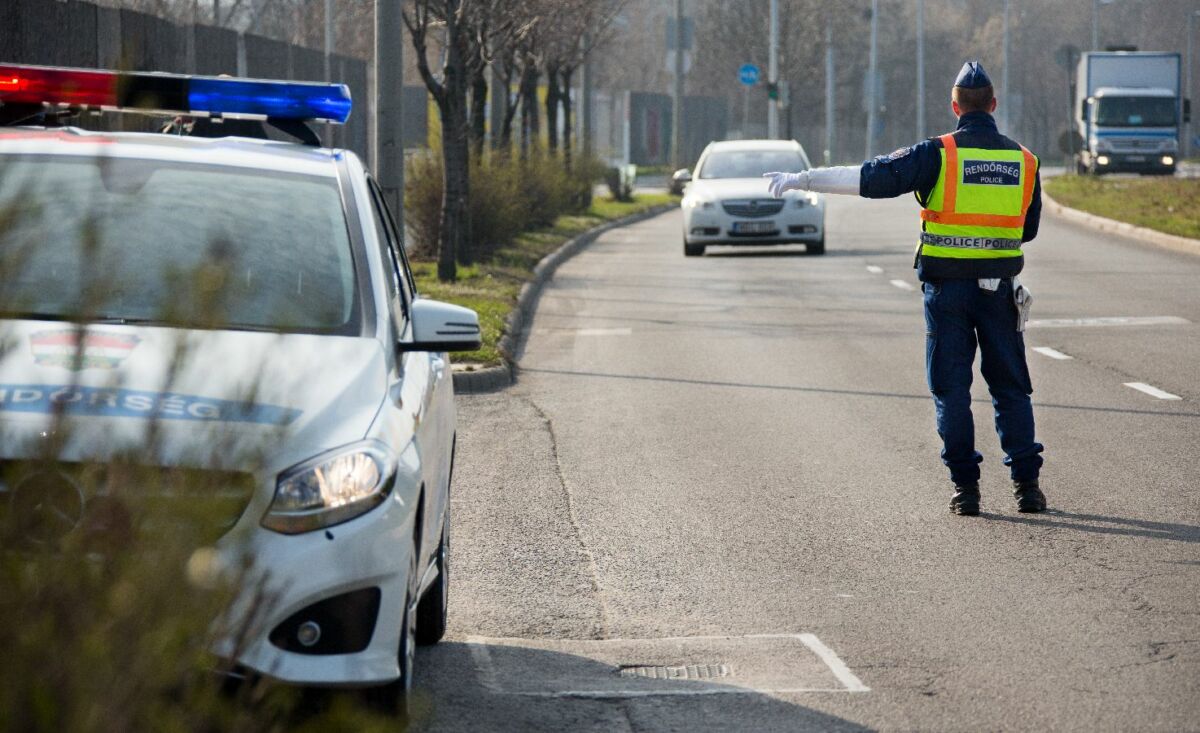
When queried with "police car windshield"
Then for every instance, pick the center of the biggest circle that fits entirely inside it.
(1136, 112)
(152, 241)
(750, 163)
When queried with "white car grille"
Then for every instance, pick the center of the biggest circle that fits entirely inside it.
(750, 208)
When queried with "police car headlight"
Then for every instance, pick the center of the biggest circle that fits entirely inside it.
(332, 488)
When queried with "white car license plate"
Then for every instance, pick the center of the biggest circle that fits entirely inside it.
(753, 227)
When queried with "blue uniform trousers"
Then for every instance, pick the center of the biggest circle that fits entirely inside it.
(958, 316)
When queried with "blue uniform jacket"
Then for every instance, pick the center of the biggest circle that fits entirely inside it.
(917, 168)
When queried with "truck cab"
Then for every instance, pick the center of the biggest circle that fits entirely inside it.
(1130, 112)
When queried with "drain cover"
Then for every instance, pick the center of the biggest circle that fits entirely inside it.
(681, 672)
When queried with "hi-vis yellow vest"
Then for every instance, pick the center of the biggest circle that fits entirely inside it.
(977, 208)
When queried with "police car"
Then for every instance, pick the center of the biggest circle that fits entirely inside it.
(240, 308)
(727, 203)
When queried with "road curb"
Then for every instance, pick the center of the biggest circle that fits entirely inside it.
(1174, 242)
(495, 378)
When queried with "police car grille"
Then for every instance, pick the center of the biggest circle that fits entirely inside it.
(751, 208)
(43, 501)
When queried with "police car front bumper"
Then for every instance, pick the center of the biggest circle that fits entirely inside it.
(350, 579)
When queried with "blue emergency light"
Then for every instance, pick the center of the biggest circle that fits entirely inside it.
(174, 93)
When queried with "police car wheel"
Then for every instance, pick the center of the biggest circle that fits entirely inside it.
(433, 610)
(693, 250)
(392, 698)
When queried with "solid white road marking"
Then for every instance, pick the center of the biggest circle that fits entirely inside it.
(874, 269)
(1152, 391)
(604, 332)
(902, 284)
(835, 664)
(490, 677)
(1107, 321)
(1052, 353)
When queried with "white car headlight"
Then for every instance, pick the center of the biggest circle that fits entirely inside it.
(697, 204)
(332, 488)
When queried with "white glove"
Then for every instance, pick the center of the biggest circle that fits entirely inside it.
(781, 182)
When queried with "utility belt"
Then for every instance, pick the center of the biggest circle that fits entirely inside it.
(1022, 298)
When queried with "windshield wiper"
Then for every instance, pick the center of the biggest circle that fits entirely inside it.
(36, 316)
(77, 318)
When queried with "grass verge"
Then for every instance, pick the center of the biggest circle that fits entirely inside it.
(491, 288)
(1170, 205)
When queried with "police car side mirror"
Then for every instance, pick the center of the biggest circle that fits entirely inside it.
(438, 326)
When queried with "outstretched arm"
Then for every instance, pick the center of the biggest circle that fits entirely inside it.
(904, 171)
(839, 179)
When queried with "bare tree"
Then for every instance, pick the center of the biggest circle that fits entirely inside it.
(449, 91)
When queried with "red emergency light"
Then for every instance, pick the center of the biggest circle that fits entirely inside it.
(74, 87)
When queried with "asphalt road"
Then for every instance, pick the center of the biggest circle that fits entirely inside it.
(724, 471)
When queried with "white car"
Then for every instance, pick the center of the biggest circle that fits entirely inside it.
(243, 309)
(726, 200)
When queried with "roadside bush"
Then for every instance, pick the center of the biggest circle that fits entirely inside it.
(423, 204)
(497, 207)
(508, 196)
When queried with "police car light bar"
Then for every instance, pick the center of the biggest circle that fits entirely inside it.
(174, 93)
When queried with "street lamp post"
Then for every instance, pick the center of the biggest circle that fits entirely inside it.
(1096, 21)
(677, 96)
(872, 81)
(773, 73)
(921, 69)
(1005, 105)
(1187, 86)
(389, 89)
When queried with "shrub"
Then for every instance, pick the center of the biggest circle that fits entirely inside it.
(423, 204)
(497, 207)
(508, 196)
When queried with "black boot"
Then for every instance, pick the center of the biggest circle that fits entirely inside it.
(965, 501)
(1029, 497)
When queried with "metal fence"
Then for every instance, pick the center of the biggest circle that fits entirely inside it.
(77, 33)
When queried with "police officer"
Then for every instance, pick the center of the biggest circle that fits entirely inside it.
(980, 198)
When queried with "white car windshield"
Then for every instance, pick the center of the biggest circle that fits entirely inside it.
(750, 163)
(108, 238)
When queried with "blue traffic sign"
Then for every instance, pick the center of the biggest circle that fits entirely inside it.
(748, 74)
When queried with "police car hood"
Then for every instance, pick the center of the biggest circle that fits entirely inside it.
(227, 399)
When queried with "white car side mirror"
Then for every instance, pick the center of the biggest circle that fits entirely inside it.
(438, 326)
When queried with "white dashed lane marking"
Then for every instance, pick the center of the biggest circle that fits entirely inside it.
(902, 284)
(1152, 391)
(1052, 353)
(1107, 321)
(874, 269)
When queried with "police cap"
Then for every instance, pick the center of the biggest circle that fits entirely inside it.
(972, 76)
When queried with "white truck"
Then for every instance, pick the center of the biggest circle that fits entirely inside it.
(1130, 111)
